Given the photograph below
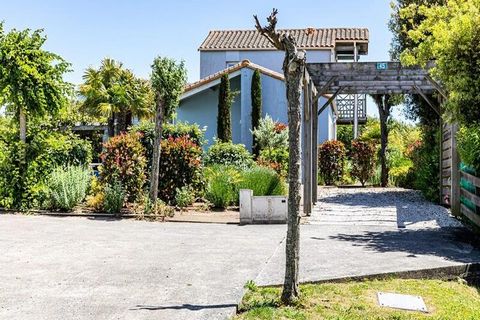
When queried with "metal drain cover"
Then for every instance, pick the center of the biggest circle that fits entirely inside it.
(401, 301)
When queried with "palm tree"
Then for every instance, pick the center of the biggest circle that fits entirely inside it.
(115, 93)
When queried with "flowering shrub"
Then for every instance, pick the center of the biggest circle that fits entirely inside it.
(123, 162)
(180, 166)
(229, 154)
(331, 159)
(146, 129)
(276, 159)
(363, 160)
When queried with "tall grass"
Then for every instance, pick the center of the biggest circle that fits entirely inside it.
(68, 186)
(263, 181)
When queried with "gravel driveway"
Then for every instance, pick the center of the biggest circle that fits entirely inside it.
(391, 207)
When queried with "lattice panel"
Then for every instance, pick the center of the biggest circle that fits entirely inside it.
(345, 106)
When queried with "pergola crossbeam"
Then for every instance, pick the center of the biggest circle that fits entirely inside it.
(427, 100)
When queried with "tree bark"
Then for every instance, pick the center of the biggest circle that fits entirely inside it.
(384, 112)
(22, 119)
(156, 150)
(111, 125)
(294, 69)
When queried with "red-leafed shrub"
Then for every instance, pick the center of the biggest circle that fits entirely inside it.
(123, 161)
(331, 160)
(363, 160)
(180, 166)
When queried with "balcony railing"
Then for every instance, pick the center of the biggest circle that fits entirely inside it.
(345, 108)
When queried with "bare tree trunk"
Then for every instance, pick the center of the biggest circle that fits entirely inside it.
(384, 112)
(122, 122)
(156, 150)
(293, 68)
(22, 119)
(111, 125)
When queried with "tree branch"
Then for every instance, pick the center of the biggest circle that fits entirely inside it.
(273, 36)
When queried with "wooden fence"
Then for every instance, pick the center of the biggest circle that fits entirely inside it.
(460, 186)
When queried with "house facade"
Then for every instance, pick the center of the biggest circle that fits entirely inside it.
(239, 53)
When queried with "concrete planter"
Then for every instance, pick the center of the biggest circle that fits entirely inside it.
(262, 210)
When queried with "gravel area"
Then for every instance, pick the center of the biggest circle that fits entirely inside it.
(395, 207)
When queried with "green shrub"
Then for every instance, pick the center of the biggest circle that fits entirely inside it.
(263, 181)
(271, 134)
(146, 129)
(222, 185)
(425, 164)
(469, 146)
(363, 160)
(228, 154)
(184, 197)
(23, 184)
(331, 159)
(145, 209)
(180, 166)
(68, 186)
(114, 198)
(276, 159)
(123, 160)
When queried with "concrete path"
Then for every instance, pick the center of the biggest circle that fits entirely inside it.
(76, 268)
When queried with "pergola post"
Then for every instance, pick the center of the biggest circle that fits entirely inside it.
(315, 152)
(307, 147)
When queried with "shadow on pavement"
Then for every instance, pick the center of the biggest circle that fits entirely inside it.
(192, 307)
(455, 244)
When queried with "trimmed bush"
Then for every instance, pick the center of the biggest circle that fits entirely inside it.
(222, 185)
(146, 129)
(180, 166)
(331, 159)
(256, 96)
(228, 154)
(469, 146)
(123, 160)
(363, 160)
(68, 186)
(225, 102)
(114, 198)
(263, 181)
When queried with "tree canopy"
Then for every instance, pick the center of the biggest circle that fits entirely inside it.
(114, 92)
(31, 78)
(450, 35)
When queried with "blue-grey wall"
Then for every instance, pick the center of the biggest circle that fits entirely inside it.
(202, 109)
(214, 61)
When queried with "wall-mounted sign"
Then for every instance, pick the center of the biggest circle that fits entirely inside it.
(382, 66)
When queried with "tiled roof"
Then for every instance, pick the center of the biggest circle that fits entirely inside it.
(306, 38)
(238, 66)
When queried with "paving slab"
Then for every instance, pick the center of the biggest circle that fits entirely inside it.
(334, 252)
(78, 268)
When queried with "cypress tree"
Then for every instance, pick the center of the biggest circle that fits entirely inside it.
(256, 95)
(225, 101)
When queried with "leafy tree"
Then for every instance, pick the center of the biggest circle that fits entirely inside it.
(31, 78)
(224, 117)
(363, 160)
(293, 69)
(256, 95)
(114, 92)
(168, 80)
(384, 104)
(450, 35)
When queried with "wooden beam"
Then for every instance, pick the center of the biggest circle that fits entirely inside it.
(437, 86)
(455, 176)
(329, 101)
(324, 88)
(427, 100)
(315, 153)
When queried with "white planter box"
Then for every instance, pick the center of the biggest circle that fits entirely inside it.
(262, 210)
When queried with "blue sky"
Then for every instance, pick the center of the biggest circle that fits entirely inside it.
(134, 32)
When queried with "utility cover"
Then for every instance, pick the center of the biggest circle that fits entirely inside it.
(401, 301)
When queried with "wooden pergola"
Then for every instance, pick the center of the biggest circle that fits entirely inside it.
(354, 78)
